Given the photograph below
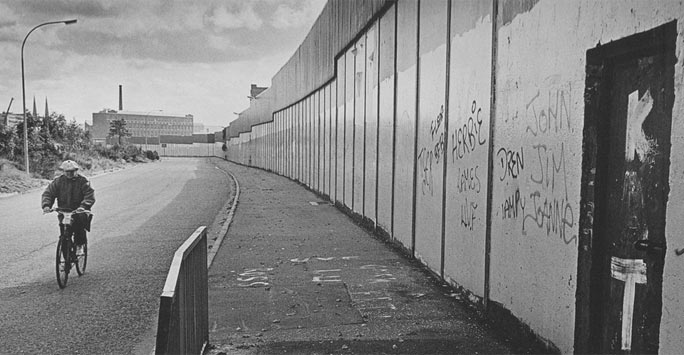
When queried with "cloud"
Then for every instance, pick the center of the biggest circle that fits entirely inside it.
(81, 8)
(220, 42)
(240, 16)
(182, 56)
(207, 31)
(208, 92)
(287, 16)
(7, 17)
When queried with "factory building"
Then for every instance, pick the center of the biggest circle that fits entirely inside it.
(145, 127)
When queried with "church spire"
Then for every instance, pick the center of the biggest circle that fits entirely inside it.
(35, 111)
(46, 119)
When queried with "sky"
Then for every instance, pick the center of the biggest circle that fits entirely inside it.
(195, 57)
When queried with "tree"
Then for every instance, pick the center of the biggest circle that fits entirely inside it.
(32, 136)
(75, 137)
(7, 142)
(118, 128)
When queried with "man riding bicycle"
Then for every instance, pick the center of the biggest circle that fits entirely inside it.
(73, 192)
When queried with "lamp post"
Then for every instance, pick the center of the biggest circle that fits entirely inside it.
(23, 87)
(147, 116)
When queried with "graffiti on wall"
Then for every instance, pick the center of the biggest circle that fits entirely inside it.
(467, 138)
(549, 112)
(431, 154)
(468, 214)
(513, 206)
(551, 208)
(469, 180)
(512, 162)
(425, 171)
(544, 205)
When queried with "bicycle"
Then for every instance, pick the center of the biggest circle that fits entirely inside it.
(68, 255)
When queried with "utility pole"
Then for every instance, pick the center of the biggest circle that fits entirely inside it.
(7, 112)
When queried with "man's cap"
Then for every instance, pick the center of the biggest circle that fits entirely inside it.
(69, 165)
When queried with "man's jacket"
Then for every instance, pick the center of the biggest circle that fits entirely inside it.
(70, 193)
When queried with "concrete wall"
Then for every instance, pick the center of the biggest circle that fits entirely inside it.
(313, 63)
(540, 72)
(186, 150)
(405, 121)
(455, 128)
(533, 251)
(467, 153)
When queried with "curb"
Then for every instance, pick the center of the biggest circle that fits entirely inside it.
(224, 229)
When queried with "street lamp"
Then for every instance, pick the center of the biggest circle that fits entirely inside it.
(147, 116)
(23, 87)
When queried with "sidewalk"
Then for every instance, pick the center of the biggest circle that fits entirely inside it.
(295, 275)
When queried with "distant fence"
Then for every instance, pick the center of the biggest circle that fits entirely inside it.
(185, 150)
(183, 326)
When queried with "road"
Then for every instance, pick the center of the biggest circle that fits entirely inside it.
(141, 216)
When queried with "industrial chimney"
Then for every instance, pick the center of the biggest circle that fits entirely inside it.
(120, 98)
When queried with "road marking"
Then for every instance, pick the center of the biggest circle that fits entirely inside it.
(254, 284)
(298, 260)
(332, 270)
(386, 298)
(374, 266)
(254, 274)
(320, 258)
(382, 273)
(252, 278)
(367, 302)
(632, 272)
(327, 278)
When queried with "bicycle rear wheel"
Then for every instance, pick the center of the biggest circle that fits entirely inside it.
(81, 259)
(63, 262)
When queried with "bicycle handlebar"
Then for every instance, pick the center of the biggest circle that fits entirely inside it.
(65, 210)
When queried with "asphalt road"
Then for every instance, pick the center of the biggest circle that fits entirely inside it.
(142, 215)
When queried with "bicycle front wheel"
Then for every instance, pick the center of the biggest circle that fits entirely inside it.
(62, 262)
(81, 258)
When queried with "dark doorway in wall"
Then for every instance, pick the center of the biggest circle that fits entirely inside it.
(626, 159)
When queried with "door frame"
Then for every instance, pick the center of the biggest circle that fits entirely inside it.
(591, 248)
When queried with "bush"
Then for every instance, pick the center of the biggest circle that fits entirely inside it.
(133, 153)
(46, 165)
(7, 142)
(52, 140)
(108, 152)
(152, 155)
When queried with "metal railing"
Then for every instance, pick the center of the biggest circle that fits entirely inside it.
(183, 326)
